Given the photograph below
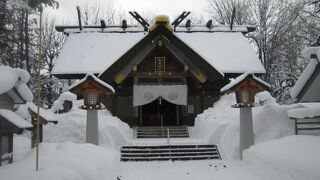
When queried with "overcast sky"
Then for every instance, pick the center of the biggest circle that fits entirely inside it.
(67, 10)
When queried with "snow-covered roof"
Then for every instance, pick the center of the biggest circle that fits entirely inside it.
(95, 78)
(14, 77)
(93, 52)
(308, 71)
(45, 114)
(241, 78)
(308, 110)
(14, 119)
(227, 52)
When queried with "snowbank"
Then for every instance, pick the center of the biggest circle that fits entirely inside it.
(298, 155)
(220, 124)
(72, 127)
(60, 161)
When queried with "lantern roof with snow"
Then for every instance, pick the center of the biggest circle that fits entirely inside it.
(90, 81)
(246, 79)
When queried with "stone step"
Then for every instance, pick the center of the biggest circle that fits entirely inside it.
(182, 146)
(169, 152)
(162, 132)
(173, 158)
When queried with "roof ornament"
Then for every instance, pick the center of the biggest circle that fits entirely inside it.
(142, 21)
(79, 18)
(188, 24)
(232, 17)
(161, 20)
(180, 18)
(209, 24)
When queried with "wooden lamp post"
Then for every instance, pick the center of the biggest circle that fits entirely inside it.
(91, 89)
(245, 87)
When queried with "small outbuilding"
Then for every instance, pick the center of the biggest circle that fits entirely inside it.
(13, 90)
(45, 117)
(306, 92)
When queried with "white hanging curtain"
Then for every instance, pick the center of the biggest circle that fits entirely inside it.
(144, 94)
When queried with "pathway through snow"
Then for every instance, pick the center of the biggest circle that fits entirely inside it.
(187, 170)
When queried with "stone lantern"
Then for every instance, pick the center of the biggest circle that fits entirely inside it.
(245, 87)
(91, 88)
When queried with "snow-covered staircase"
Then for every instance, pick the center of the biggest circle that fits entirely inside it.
(169, 152)
(162, 132)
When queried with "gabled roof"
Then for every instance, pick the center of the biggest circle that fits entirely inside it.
(310, 75)
(96, 51)
(175, 45)
(89, 80)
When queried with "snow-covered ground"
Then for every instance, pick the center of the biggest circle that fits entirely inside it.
(278, 154)
(61, 161)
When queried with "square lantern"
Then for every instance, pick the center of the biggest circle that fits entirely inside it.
(245, 87)
(91, 88)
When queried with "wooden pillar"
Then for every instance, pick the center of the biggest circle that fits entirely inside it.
(202, 101)
(11, 147)
(178, 115)
(115, 105)
(0, 144)
(140, 115)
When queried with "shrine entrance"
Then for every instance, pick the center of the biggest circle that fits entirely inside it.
(159, 113)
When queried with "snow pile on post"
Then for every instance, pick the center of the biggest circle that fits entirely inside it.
(60, 161)
(220, 124)
(298, 155)
(65, 96)
(14, 77)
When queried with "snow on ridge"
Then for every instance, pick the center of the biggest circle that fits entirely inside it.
(14, 118)
(303, 79)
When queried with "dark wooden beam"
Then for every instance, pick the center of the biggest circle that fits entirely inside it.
(180, 18)
(122, 75)
(141, 21)
(186, 61)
